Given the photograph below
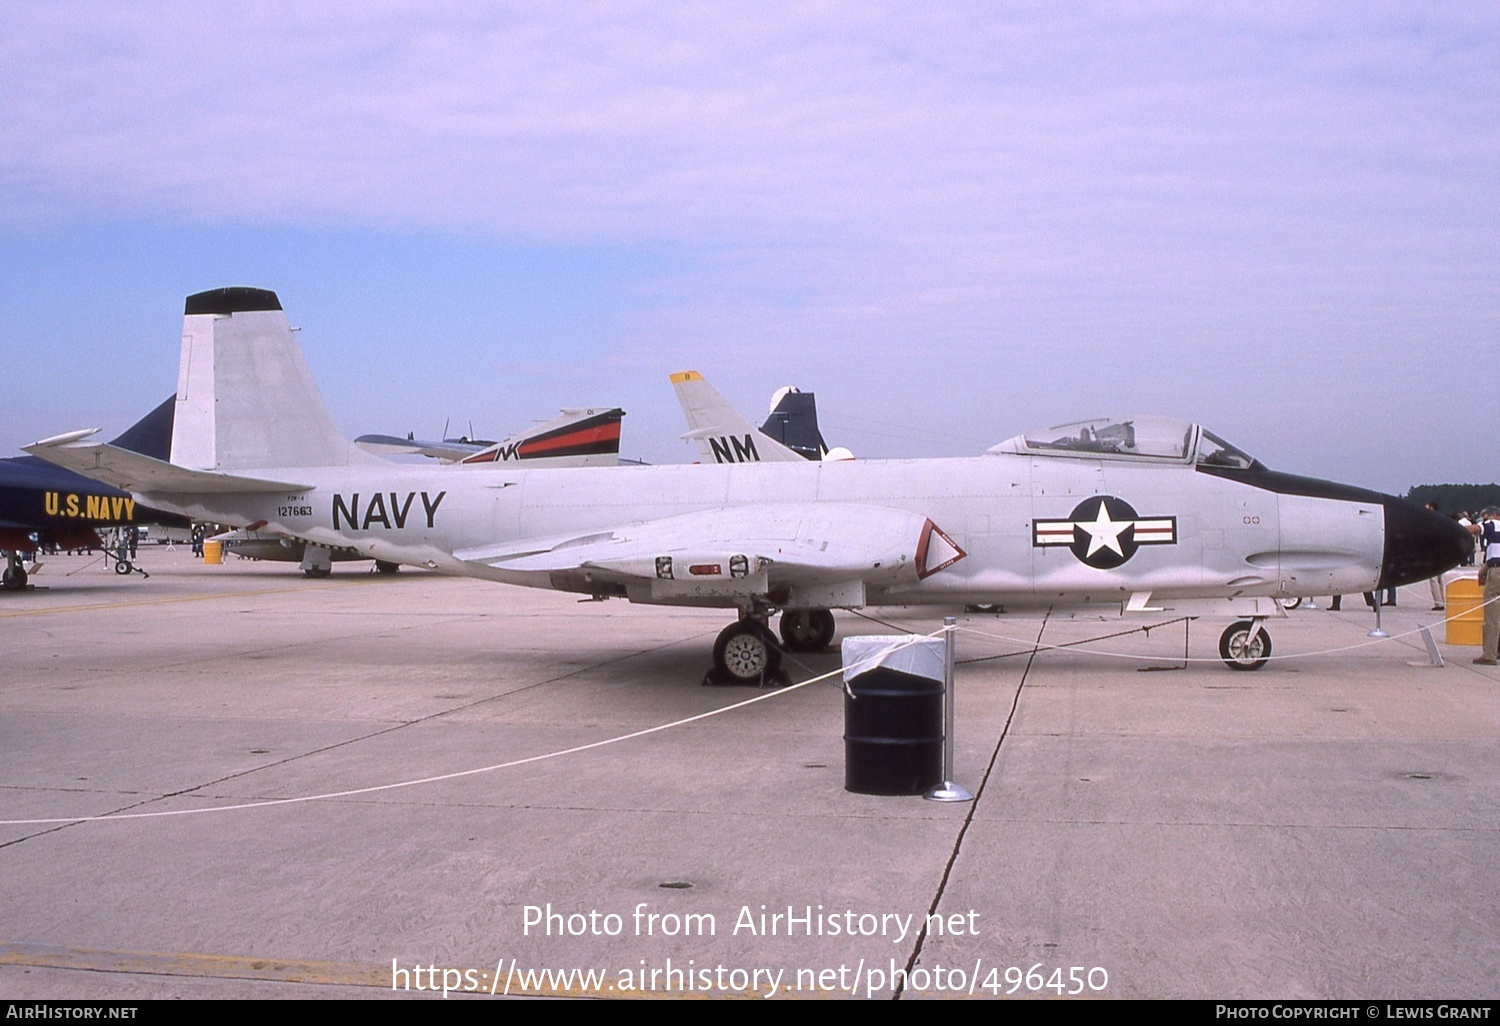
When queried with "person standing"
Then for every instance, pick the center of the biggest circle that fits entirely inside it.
(1439, 600)
(1488, 531)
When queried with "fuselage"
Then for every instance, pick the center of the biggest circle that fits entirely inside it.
(1032, 530)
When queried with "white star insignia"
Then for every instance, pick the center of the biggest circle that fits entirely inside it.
(1104, 533)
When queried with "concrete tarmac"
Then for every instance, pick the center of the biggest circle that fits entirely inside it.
(1145, 826)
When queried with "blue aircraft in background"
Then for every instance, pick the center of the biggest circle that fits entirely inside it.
(42, 505)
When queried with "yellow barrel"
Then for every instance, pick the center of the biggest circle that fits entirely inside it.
(213, 555)
(1465, 612)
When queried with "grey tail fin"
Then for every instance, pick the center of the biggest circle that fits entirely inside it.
(245, 396)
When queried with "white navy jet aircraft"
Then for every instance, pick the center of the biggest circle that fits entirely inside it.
(1138, 513)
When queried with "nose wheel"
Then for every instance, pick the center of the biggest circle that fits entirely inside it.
(1245, 645)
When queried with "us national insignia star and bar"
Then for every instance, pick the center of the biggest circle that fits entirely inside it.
(1104, 532)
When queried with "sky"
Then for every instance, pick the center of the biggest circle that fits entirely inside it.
(953, 222)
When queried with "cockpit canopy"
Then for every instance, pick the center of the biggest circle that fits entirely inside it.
(1146, 439)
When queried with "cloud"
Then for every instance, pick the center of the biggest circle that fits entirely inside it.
(1241, 195)
(693, 122)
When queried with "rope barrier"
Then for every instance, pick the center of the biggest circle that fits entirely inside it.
(458, 774)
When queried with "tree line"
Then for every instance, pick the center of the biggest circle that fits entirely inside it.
(1453, 498)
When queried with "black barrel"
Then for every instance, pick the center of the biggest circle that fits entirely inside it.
(893, 733)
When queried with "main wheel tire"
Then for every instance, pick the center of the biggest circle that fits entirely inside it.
(1239, 652)
(122, 567)
(14, 578)
(384, 567)
(1291, 603)
(807, 630)
(746, 653)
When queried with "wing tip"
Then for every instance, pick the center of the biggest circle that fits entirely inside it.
(66, 438)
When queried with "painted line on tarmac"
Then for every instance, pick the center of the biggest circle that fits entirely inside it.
(166, 963)
(281, 970)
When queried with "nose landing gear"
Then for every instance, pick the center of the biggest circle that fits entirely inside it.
(1245, 645)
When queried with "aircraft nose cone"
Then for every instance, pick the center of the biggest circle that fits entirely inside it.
(1419, 544)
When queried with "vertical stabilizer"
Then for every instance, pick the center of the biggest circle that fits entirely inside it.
(721, 433)
(794, 423)
(152, 434)
(245, 395)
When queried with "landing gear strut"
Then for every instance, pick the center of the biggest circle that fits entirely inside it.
(1245, 645)
(317, 561)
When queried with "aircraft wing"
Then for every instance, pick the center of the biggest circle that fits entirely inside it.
(819, 549)
(721, 433)
(447, 450)
(133, 472)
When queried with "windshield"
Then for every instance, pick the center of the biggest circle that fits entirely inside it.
(1213, 451)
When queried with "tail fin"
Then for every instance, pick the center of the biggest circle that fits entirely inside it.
(794, 423)
(722, 434)
(245, 396)
(152, 434)
(576, 438)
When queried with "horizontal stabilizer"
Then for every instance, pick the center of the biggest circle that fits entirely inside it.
(133, 472)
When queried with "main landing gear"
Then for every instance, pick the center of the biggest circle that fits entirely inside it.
(806, 630)
(1245, 645)
(747, 652)
(14, 577)
(317, 562)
